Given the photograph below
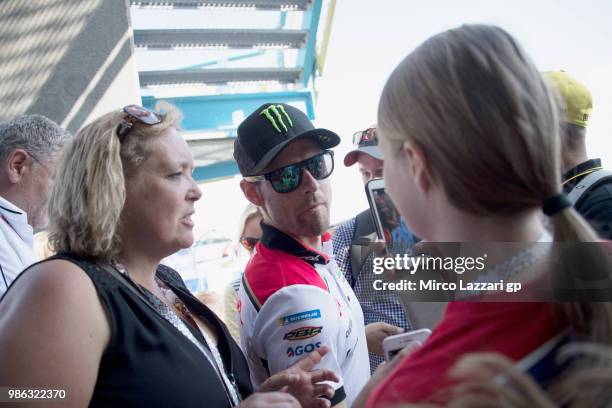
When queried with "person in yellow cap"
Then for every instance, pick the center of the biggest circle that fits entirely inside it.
(587, 184)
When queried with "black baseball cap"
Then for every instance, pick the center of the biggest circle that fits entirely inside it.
(268, 130)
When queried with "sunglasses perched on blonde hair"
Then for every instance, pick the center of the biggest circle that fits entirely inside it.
(365, 136)
(136, 114)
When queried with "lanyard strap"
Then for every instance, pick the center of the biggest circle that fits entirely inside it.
(589, 171)
(209, 350)
(215, 360)
(180, 324)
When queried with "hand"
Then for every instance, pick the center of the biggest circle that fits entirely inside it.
(491, 379)
(303, 383)
(377, 332)
(382, 372)
(270, 399)
(379, 246)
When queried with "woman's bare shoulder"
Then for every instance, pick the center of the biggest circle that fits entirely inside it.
(57, 289)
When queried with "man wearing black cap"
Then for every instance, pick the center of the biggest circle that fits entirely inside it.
(383, 311)
(293, 298)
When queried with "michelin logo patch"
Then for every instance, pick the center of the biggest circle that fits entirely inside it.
(298, 317)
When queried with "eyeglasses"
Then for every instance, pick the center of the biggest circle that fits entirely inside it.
(288, 178)
(136, 114)
(363, 136)
(249, 242)
(40, 163)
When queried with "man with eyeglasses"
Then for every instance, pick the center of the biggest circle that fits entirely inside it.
(29, 148)
(293, 298)
(383, 311)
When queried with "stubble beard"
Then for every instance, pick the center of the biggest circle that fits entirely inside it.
(315, 224)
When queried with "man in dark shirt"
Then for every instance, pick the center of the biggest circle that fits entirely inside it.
(595, 204)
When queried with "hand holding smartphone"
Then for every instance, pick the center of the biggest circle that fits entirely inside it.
(392, 345)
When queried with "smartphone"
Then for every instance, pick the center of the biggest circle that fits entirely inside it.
(390, 227)
(544, 363)
(392, 345)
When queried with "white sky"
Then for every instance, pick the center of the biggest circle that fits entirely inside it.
(368, 40)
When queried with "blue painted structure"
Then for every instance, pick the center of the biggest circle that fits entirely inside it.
(213, 112)
(306, 58)
(220, 112)
(215, 171)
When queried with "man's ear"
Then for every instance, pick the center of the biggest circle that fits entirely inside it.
(252, 193)
(418, 163)
(17, 163)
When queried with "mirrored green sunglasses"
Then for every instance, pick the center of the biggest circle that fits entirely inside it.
(288, 178)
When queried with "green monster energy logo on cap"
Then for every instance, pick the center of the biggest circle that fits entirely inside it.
(276, 115)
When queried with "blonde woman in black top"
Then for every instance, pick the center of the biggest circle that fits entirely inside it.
(102, 320)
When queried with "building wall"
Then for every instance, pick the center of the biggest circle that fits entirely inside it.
(70, 60)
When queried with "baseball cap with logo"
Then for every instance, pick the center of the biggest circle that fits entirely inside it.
(268, 130)
(576, 97)
(365, 141)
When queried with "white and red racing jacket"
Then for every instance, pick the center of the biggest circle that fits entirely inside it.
(293, 299)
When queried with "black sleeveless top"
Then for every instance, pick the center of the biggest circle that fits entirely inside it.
(148, 362)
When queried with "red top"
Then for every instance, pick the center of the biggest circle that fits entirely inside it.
(270, 270)
(280, 261)
(511, 328)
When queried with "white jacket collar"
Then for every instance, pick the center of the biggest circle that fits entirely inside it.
(17, 219)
